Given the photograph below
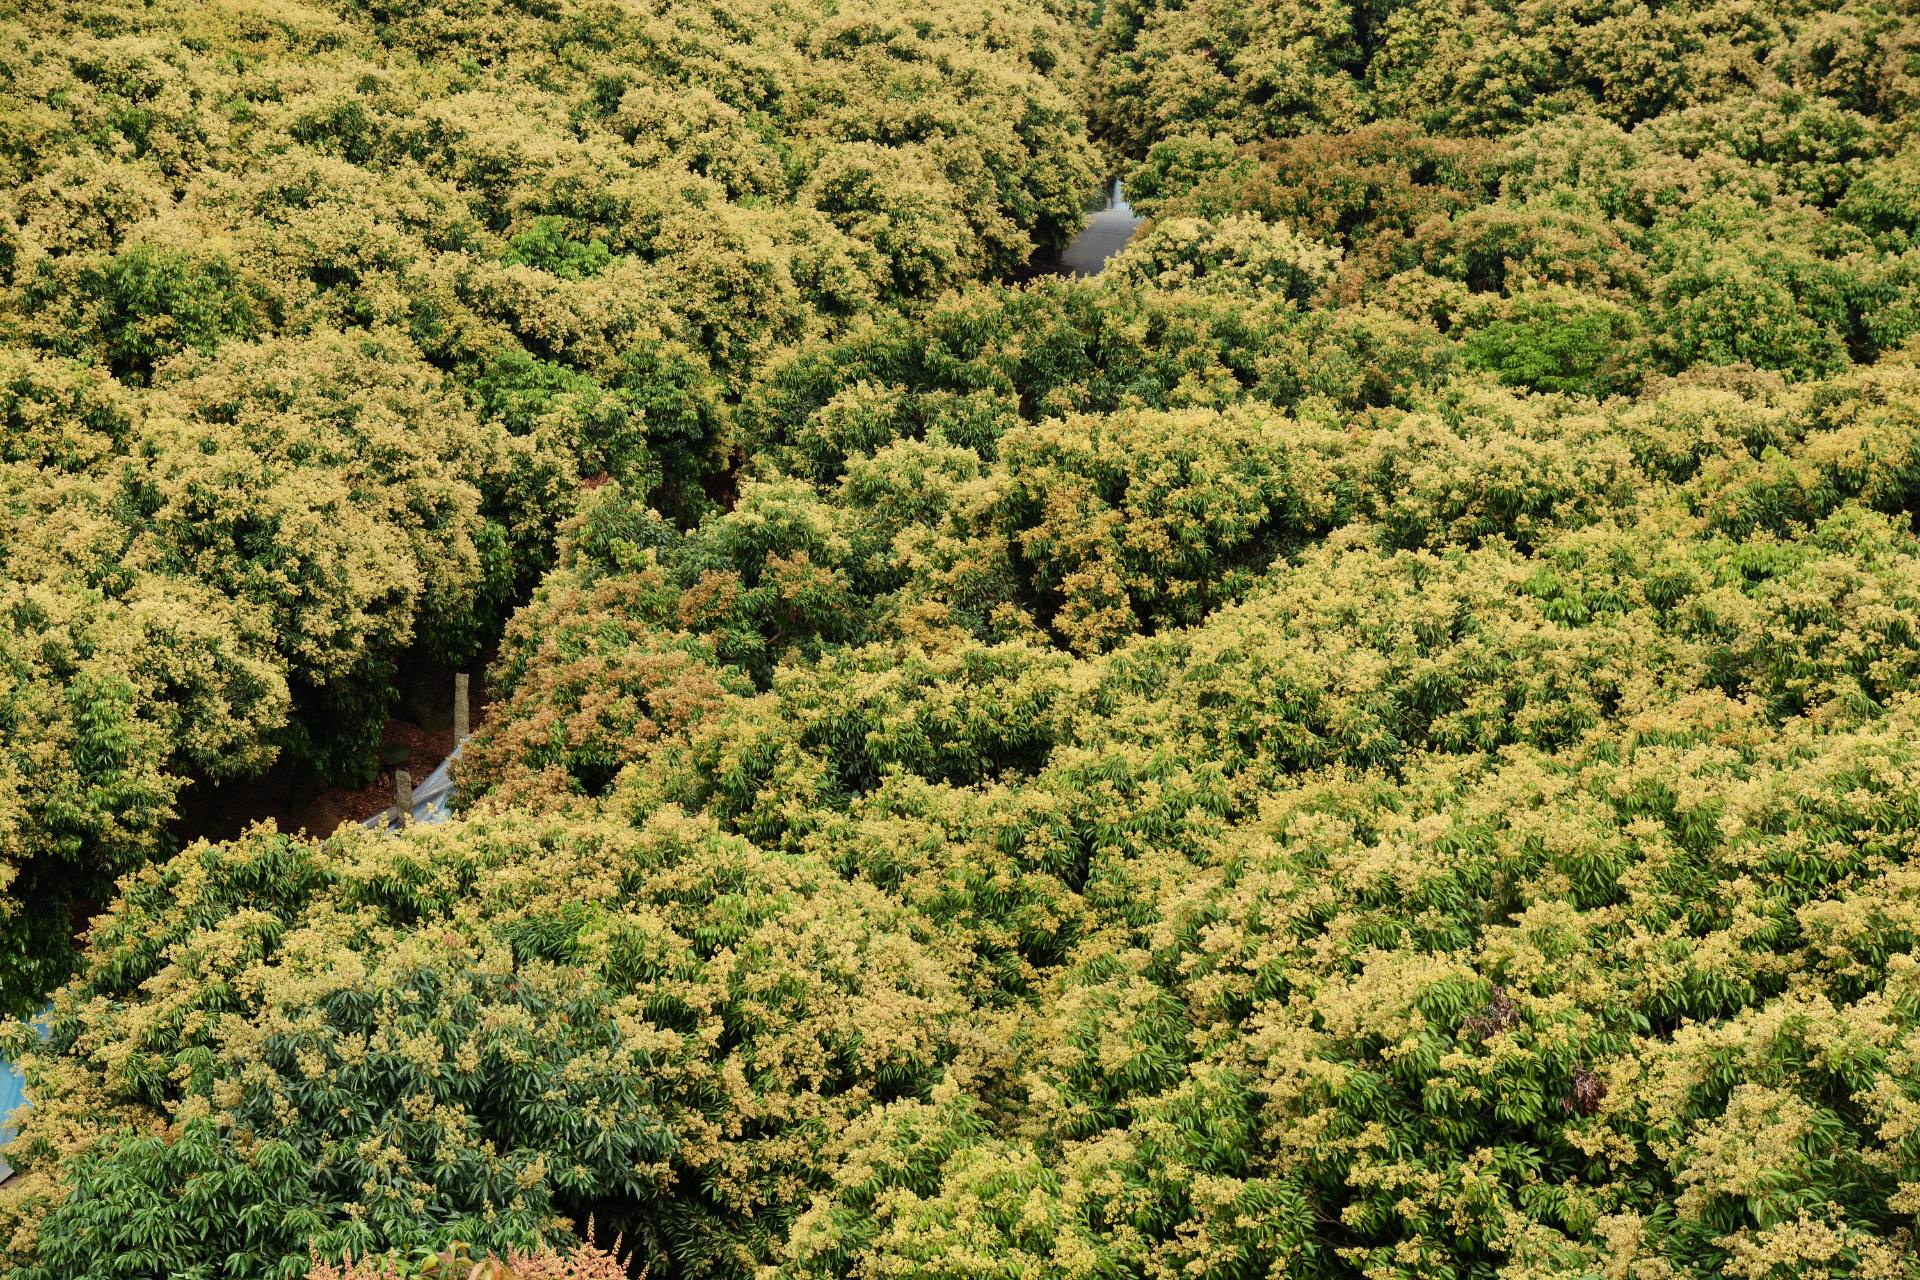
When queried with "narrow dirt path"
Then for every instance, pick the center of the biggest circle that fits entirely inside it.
(298, 803)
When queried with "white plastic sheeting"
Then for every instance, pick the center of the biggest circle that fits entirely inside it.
(432, 798)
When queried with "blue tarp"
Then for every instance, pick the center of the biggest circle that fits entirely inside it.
(12, 1097)
(432, 802)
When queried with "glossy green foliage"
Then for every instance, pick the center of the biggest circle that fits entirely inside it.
(480, 1040)
(1376, 740)
(316, 320)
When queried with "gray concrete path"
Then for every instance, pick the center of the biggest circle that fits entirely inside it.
(1106, 234)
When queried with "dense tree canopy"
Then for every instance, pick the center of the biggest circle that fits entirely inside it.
(316, 317)
(1378, 738)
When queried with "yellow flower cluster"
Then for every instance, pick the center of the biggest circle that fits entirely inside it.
(1379, 739)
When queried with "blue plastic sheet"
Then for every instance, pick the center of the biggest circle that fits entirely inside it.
(432, 802)
(12, 1097)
